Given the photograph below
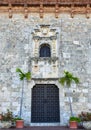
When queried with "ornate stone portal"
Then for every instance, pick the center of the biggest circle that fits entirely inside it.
(45, 66)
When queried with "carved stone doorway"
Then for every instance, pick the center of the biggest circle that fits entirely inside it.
(45, 104)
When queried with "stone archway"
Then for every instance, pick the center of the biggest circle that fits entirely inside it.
(45, 104)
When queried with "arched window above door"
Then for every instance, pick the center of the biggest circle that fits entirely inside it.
(45, 51)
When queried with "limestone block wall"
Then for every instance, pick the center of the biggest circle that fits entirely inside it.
(74, 55)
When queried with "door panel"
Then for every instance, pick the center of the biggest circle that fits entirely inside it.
(45, 103)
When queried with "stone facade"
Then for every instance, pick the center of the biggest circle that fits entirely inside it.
(72, 49)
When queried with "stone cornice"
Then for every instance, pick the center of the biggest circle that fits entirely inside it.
(46, 6)
(45, 2)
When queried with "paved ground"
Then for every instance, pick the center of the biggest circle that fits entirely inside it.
(45, 128)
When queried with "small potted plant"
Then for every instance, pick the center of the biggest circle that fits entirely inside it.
(6, 119)
(67, 81)
(0, 117)
(73, 122)
(86, 119)
(19, 122)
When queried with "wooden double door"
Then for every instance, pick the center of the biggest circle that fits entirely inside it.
(45, 104)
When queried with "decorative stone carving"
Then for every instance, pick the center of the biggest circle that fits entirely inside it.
(45, 34)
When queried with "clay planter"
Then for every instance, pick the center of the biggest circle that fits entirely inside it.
(0, 116)
(73, 124)
(19, 123)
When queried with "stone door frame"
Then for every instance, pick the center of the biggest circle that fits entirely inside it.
(61, 95)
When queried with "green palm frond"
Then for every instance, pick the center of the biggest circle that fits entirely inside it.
(68, 78)
(76, 80)
(68, 82)
(62, 80)
(18, 70)
(23, 75)
(28, 75)
(68, 74)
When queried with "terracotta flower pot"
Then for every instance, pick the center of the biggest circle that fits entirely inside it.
(73, 124)
(19, 123)
(0, 116)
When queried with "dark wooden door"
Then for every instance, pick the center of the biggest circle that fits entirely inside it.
(45, 103)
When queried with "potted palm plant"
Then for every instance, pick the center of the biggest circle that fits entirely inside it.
(19, 122)
(73, 122)
(67, 80)
(22, 76)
